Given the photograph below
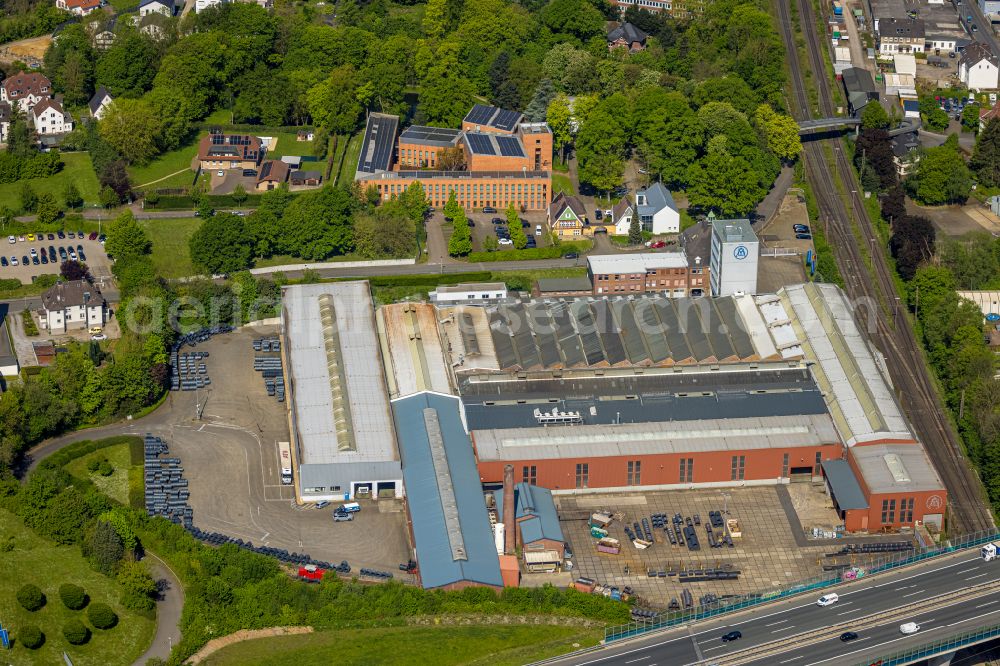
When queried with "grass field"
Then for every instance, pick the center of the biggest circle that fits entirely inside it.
(170, 236)
(77, 169)
(405, 646)
(288, 145)
(35, 560)
(561, 183)
(165, 165)
(350, 164)
(114, 486)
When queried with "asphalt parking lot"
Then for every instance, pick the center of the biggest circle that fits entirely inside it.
(484, 227)
(230, 458)
(94, 256)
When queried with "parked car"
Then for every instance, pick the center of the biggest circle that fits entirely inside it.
(33, 252)
(505, 241)
(61, 234)
(342, 516)
(52, 253)
(99, 336)
(801, 228)
(498, 220)
(92, 236)
(656, 244)
(71, 234)
(13, 260)
(731, 636)
(322, 503)
(531, 242)
(101, 239)
(35, 261)
(804, 236)
(599, 214)
(25, 261)
(4, 262)
(81, 255)
(51, 236)
(45, 258)
(31, 238)
(489, 209)
(571, 255)
(11, 240)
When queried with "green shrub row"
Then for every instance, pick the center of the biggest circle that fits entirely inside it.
(551, 252)
(83, 447)
(184, 201)
(429, 280)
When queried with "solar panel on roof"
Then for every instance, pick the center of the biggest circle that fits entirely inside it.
(481, 145)
(506, 120)
(510, 146)
(480, 114)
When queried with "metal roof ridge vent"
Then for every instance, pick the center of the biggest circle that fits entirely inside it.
(340, 405)
(896, 468)
(446, 490)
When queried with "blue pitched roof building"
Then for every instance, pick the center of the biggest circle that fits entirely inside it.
(451, 528)
(534, 513)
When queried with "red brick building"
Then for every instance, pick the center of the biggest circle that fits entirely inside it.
(669, 272)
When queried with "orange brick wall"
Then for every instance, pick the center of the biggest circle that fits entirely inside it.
(538, 148)
(416, 155)
(475, 193)
(924, 502)
(661, 469)
(496, 163)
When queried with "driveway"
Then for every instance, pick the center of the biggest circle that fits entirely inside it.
(168, 610)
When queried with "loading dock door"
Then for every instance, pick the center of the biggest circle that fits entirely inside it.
(801, 474)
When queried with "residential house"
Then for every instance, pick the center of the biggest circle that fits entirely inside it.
(666, 272)
(306, 178)
(535, 519)
(73, 304)
(979, 67)
(305, 135)
(989, 6)
(293, 161)
(50, 119)
(567, 217)
(628, 36)
(657, 211)
(218, 151)
(79, 7)
(859, 88)
(905, 153)
(986, 115)
(99, 103)
(621, 216)
(202, 5)
(164, 7)
(102, 33)
(897, 35)
(25, 89)
(272, 174)
(154, 25)
(941, 43)
(675, 9)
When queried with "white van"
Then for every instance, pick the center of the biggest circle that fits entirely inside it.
(349, 507)
(828, 599)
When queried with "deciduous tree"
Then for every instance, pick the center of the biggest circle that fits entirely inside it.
(873, 116)
(559, 117)
(941, 176)
(131, 127)
(780, 132)
(219, 245)
(985, 162)
(126, 239)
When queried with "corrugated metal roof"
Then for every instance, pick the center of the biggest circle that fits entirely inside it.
(357, 361)
(629, 264)
(535, 501)
(451, 527)
(665, 437)
(844, 486)
(891, 468)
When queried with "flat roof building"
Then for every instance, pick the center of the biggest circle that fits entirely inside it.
(341, 425)
(733, 263)
(446, 509)
(411, 347)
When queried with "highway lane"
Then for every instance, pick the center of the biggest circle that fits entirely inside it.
(885, 637)
(800, 614)
(984, 31)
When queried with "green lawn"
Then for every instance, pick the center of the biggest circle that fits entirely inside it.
(288, 145)
(170, 236)
(561, 183)
(76, 169)
(35, 560)
(165, 165)
(495, 645)
(114, 486)
(350, 165)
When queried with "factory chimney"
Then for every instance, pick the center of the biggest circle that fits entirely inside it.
(510, 535)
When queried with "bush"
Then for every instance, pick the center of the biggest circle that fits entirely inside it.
(73, 596)
(105, 468)
(30, 597)
(31, 637)
(9, 284)
(93, 465)
(101, 616)
(76, 632)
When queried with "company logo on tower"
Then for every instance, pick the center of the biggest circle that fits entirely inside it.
(741, 252)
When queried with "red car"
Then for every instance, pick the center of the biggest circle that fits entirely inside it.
(655, 245)
(311, 573)
(93, 235)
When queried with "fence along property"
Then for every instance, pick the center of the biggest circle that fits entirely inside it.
(723, 606)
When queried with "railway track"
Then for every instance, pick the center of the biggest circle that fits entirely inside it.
(873, 290)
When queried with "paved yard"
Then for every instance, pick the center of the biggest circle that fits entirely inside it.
(958, 220)
(230, 457)
(96, 258)
(773, 551)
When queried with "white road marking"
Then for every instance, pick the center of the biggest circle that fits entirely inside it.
(968, 619)
(978, 575)
(911, 594)
(632, 661)
(791, 660)
(791, 626)
(988, 603)
(853, 610)
(714, 647)
(778, 622)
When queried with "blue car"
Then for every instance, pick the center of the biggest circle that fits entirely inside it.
(804, 236)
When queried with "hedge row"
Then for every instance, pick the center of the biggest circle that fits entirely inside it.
(431, 280)
(83, 447)
(551, 252)
(183, 201)
(256, 129)
(136, 481)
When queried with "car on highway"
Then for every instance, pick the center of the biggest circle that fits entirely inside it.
(828, 599)
(909, 628)
(731, 636)
(804, 236)
(848, 636)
